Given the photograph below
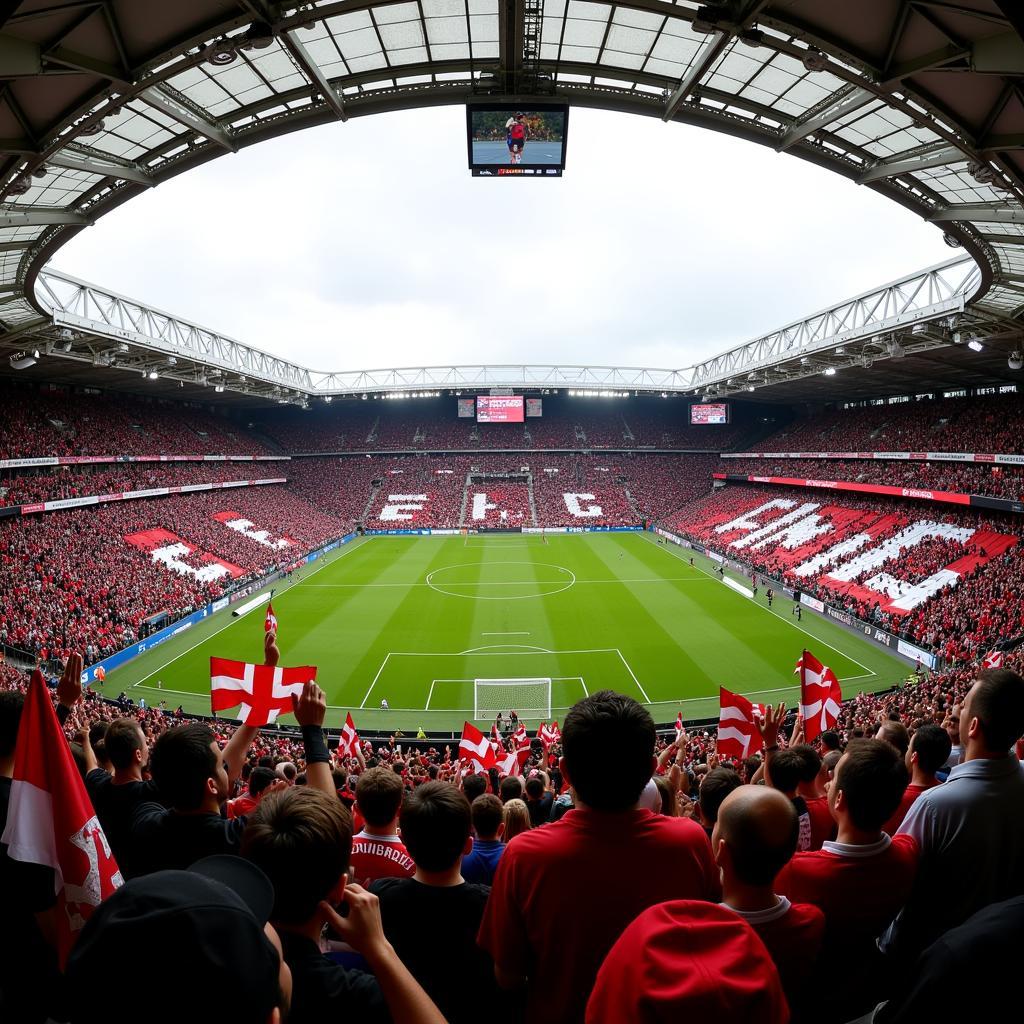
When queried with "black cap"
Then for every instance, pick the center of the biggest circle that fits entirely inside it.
(181, 946)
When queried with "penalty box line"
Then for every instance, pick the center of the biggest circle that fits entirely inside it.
(554, 679)
(503, 654)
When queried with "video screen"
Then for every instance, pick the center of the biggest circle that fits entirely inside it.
(467, 408)
(709, 412)
(534, 407)
(499, 409)
(506, 141)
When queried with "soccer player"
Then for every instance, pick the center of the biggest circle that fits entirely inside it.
(384, 705)
(515, 137)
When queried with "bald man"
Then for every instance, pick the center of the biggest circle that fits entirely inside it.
(753, 839)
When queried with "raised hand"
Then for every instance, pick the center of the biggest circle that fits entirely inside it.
(310, 708)
(69, 689)
(271, 652)
(361, 927)
(769, 725)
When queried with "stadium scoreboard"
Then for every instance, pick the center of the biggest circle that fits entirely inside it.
(705, 413)
(506, 141)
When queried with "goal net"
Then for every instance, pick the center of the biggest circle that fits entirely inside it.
(529, 698)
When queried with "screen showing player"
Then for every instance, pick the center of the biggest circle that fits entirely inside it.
(517, 141)
(499, 409)
(534, 407)
(709, 412)
(467, 408)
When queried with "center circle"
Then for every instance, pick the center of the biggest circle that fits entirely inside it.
(454, 581)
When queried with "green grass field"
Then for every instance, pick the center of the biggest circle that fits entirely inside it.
(415, 620)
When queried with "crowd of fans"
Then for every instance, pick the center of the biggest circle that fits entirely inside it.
(71, 580)
(55, 421)
(52, 484)
(981, 423)
(502, 503)
(961, 621)
(820, 880)
(957, 477)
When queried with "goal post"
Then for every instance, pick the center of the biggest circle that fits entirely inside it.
(529, 698)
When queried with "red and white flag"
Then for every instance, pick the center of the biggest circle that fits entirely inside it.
(545, 735)
(348, 742)
(994, 659)
(496, 736)
(475, 746)
(820, 696)
(263, 691)
(521, 737)
(270, 622)
(50, 820)
(738, 735)
(679, 726)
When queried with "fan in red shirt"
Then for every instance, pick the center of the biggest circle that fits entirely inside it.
(861, 880)
(245, 804)
(377, 851)
(564, 893)
(929, 750)
(754, 838)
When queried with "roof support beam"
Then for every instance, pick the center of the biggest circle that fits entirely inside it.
(39, 218)
(1000, 213)
(841, 102)
(14, 246)
(712, 49)
(159, 99)
(312, 71)
(996, 239)
(105, 169)
(81, 62)
(893, 168)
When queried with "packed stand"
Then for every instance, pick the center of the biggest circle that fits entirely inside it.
(983, 423)
(956, 477)
(73, 582)
(27, 487)
(53, 421)
(748, 879)
(498, 503)
(960, 620)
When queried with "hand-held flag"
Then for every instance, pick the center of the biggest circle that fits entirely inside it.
(50, 820)
(263, 691)
(820, 696)
(476, 747)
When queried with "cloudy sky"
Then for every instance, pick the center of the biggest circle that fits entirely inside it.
(368, 244)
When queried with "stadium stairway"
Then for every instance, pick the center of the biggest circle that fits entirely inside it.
(465, 501)
(533, 504)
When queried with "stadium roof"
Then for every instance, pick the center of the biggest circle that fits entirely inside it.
(921, 100)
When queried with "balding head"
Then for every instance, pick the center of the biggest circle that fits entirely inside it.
(756, 834)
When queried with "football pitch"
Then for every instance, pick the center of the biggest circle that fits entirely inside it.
(415, 620)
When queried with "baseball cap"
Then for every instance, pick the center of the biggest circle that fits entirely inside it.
(687, 960)
(168, 942)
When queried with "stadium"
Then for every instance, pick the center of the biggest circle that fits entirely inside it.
(547, 580)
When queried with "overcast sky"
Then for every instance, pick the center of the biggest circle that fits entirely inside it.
(368, 244)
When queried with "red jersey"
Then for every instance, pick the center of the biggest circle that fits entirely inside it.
(859, 888)
(823, 825)
(793, 934)
(551, 915)
(376, 857)
(910, 794)
(242, 805)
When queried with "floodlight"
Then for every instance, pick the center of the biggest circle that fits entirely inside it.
(1016, 361)
(974, 345)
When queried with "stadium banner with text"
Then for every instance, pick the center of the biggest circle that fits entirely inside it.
(152, 492)
(1005, 459)
(920, 493)
(95, 460)
(813, 602)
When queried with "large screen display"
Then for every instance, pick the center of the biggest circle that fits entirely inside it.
(467, 408)
(709, 412)
(507, 141)
(499, 409)
(534, 407)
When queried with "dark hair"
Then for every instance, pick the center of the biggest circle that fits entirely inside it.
(714, 788)
(830, 740)
(810, 759)
(535, 787)
(872, 778)
(302, 839)
(510, 788)
(435, 823)
(759, 847)
(122, 739)
(474, 786)
(97, 731)
(488, 813)
(997, 701)
(378, 796)
(260, 779)
(895, 733)
(599, 723)
(932, 745)
(11, 704)
(181, 762)
(786, 769)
